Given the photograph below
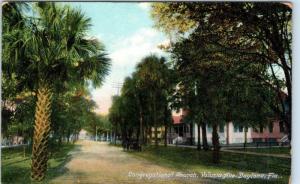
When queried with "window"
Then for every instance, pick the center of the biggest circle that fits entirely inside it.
(240, 128)
(286, 106)
(271, 127)
(261, 129)
(246, 129)
(221, 128)
(281, 126)
(235, 128)
(255, 129)
(187, 128)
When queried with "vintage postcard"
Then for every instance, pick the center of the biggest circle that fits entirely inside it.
(146, 92)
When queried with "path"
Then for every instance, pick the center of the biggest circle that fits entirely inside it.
(258, 154)
(232, 150)
(94, 162)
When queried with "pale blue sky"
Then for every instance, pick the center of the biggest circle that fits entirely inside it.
(126, 29)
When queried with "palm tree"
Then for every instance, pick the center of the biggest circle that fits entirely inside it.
(50, 51)
(153, 75)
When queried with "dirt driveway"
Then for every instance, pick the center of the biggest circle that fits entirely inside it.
(94, 162)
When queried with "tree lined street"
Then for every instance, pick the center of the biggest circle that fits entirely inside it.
(223, 67)
(94, 162)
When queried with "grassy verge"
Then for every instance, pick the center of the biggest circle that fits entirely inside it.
(16, 166)
(272, 150)
(191, 160)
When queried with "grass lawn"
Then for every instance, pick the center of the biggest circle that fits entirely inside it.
(15, 168)
(272, 150)
(191, 160)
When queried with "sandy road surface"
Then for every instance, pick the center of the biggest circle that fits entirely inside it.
(93, 162)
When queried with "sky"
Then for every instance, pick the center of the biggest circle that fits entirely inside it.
(127, 32)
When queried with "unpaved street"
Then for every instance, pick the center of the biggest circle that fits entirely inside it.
(93, 162)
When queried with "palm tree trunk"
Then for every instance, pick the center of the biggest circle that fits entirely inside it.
(216, 145)
(199, 143)
(41, 133)
(204, 136)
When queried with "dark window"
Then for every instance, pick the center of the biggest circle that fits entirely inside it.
(221, 128)
(255, 129)
(235, 128)
(286, 106)
(271, 127)
(240, 128)
(246, 129)
(261, 129)
(187, 128)
(281, 126)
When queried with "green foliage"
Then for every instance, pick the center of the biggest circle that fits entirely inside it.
(49, 42)
(16, 167)
(144, 101)
(51, 46)
(54, 46)
(252, 39)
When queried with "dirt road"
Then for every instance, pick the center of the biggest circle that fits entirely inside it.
(94, 162)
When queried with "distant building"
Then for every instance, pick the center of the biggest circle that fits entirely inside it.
(229, 133)
(83, 134)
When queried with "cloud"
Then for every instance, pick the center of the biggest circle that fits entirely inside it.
(125, 53)
(144, 6)
(131, 50)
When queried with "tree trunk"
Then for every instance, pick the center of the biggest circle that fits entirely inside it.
(204, 137)
(156, 135)
(166, 135)
(115, 135)
(288, 125)
(227, 133)
(216, 145)
(155, 122)
(60, 140)
(191, 134)
(245, 137)
(68, 136)
(41, 133)
(150, 135)
(145, 137)
(286, 112)
(198, 141)
(141, 129)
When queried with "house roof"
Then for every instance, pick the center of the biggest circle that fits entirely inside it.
(177, 119)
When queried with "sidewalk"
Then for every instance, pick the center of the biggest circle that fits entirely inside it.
(227, 149)
(13, 145)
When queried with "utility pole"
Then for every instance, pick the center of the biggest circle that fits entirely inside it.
(117, 86)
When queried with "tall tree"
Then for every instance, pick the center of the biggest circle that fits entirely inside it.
(249, 32)
(53, 48)
(153, 75)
